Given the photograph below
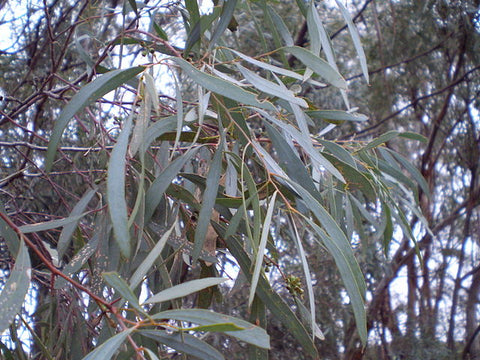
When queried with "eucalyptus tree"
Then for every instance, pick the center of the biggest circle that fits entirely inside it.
(153, 169)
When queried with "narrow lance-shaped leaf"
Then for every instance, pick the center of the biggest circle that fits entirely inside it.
(146, 264)
(208, 202)
(116, 190)
(68, 229)
(271, 88)
(184, 289)
(250, 333)
(308, 276)
(87, 95)
(356, 39)
(318, 65)
(186, 343)
(121, 287)
(261, 248)
(221, 87)
(15, 289)
(163, 181)
(106, 350)
(48, 225)
(225, 19)
(267, 66)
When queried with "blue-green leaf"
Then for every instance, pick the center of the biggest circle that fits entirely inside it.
(116, 190)
(208, 202)
(185, 343)
(261, 248)
(87, 95)
(222, 87)
(184, 289)
(356, 38)
(318, 65)
(15, 289)
(106, 350)
(251, 334)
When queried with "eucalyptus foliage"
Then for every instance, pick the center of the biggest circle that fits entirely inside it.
(194, 180)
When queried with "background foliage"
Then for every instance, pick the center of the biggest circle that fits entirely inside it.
(160, 159)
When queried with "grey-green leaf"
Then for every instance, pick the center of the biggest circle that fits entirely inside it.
(116, 190)
(67, 231)
(87, 95)
(15, 289)
(208, 202)
(121, 286)
(184, 289)
(318, 65)
(185, 343)
(106, 350)
(222, 87)
(251, 334)
(356, 39)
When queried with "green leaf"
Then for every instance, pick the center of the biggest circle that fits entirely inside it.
(250, 334)
(80, 258)
(261, 248)
(267, 66)
(339, 246)
(11, 238)
(162, 182)
(184, 289)
(185, 343)
(160, 32)
(355, 179)
(356, 39)
(148, 262)
(15, 289)
(87, 95)
(122, 288)
(270, 87)
(271, 299)
(281, 27)
(221, 87)
(225, 18)
(208, 202)
(318, 65)
(48, 225)
(106, 350)
(224, 327)
(116, 198)
(67, 231)
(336, 115)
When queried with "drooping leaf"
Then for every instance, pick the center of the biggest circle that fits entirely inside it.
(184, 289)
(185, 343)
(48, 225)
(226, 18)
(148, 262)
(87, 95)
(271, 88)
(162, 182)
(121, 287)
(106, 350)
(15, 289)
(116, 190)
(271, 299)
(67, 231)
(208, 202)
(318, 65)
(261, 248)
(356, 39)
(250, 333)
(222, 87)
(336, 115)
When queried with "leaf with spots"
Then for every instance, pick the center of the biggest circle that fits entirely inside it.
(16, 288)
